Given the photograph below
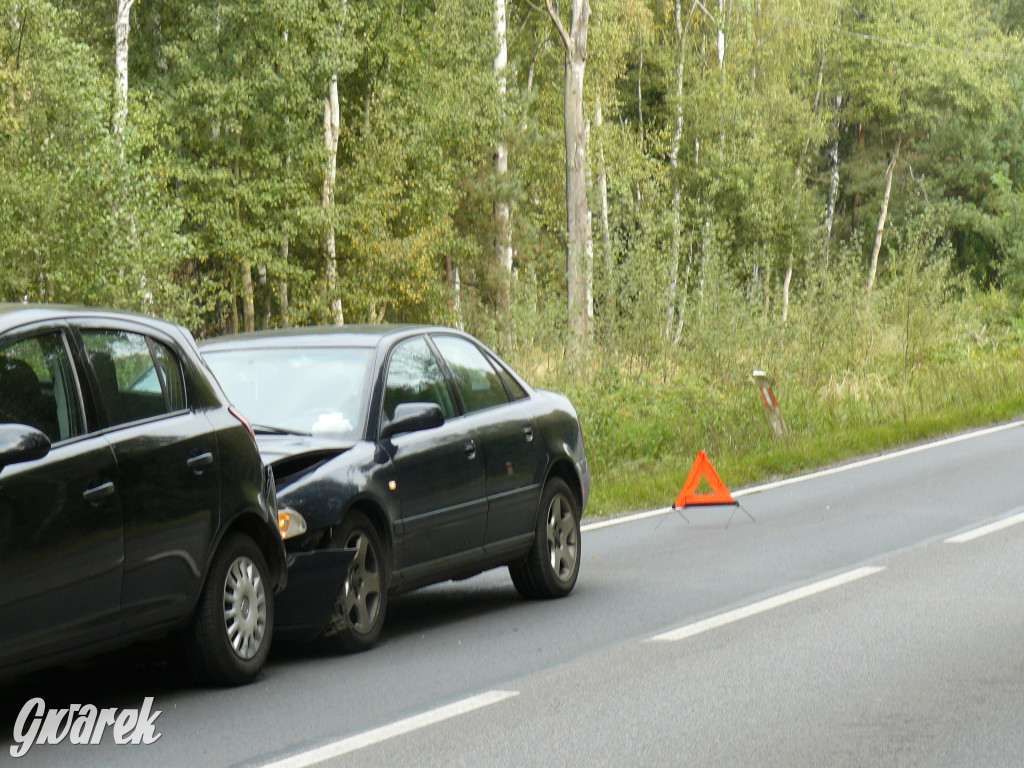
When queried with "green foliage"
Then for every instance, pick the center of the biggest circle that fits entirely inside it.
(213, 196)
(84, 217)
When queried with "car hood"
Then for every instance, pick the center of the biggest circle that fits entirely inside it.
(276, 449)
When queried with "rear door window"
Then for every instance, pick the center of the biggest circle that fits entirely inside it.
(138, 378)
(38, 387)
(475, 377)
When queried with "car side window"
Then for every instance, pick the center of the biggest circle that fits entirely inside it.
(513, 386)
(170, 376)
(415, 377)
(475, 377)
(37, 387)
(130, 385)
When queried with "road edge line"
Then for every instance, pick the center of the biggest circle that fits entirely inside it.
(819, 473)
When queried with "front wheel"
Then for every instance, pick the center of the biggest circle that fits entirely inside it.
(553, 563)
(361, 603)
(229, 639)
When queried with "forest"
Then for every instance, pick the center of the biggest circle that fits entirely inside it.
(635, 201)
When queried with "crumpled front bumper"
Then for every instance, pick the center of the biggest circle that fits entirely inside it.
(303, 609)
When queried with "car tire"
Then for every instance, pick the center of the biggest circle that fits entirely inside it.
(553, 563)
(229, 639)
(361, 604)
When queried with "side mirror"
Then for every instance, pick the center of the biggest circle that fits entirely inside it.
(413, 417)
(20, 442)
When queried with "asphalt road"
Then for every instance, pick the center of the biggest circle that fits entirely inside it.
(844, 627)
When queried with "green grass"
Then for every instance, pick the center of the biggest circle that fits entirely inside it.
(653, 483)
(852, 381)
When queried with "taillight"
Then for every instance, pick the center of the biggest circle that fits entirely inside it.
(245, 422)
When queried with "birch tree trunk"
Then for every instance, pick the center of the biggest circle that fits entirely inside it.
(610, 288)
(502, 228)
(574, 41)
(881, 216)
(673, 158)
(589, 260)
(833, 182)
(332, 128)
(640, 96)
(283, 253)
(796, 185)
(248, 304)
(283, 249)
(121, 30)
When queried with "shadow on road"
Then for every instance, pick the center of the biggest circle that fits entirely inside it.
(124, 678)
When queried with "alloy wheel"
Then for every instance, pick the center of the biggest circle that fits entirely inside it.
(563, 538)
(360, 598)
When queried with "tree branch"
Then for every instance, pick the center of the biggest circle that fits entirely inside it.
(566, 40)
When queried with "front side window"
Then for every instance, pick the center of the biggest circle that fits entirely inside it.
(476, 378)
(415, 377)
(130, 385)
(37, 387)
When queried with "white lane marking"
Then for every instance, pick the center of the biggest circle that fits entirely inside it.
(977, 533)
(390, 731)
(820, 473)
(753, 609)
(627, 519)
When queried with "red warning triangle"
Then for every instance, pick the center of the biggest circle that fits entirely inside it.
(702, 468)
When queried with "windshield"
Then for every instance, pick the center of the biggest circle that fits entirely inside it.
(319, 392)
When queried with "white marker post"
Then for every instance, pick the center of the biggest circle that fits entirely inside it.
(771, 405)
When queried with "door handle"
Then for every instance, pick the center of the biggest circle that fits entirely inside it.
(470, 448)
(199, 462)
(528, 433)
(98, 493)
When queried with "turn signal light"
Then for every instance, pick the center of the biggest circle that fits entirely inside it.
(290, 523)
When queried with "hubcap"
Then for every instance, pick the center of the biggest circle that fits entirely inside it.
(245, 607)
(563, 538)
(359, 601)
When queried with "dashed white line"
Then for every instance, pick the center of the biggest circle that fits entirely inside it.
(753, 609)
(821, 473)
(977, 533)
(390, 731)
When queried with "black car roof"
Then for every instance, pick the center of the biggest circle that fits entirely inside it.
(15, 315)
(322, 336)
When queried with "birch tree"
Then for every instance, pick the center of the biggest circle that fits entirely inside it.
(574, 43)
(502, 228)
(332, 129)
(121, 32)
(673, 158)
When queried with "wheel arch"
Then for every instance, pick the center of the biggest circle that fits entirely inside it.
(377, 516)
(564, 469)
(256, 528)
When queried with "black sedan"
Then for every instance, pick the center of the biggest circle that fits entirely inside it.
(133, 503)
(417, 447)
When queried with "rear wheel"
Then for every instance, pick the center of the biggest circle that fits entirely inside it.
(229, 639)
(553, 563)
(361, 603)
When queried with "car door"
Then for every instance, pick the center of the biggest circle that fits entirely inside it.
(505, 426)
(439, 472)
(61, 534)
(168, 466)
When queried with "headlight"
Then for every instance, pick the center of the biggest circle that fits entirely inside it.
(290, 523)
